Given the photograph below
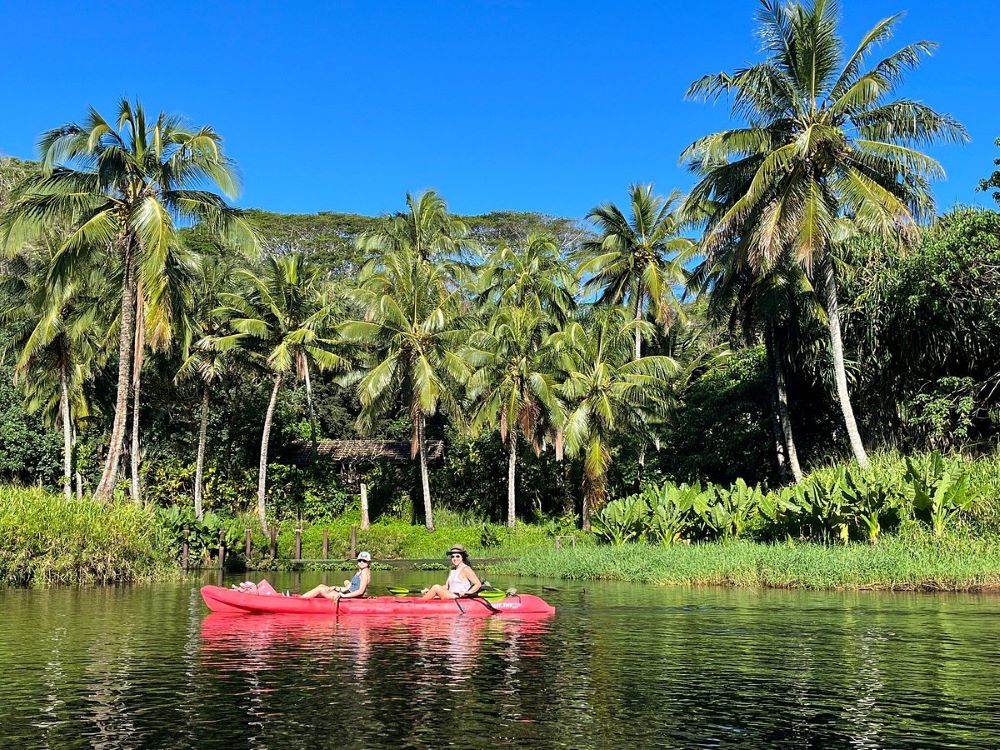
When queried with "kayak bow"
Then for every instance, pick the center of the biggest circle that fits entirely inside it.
(221, 599)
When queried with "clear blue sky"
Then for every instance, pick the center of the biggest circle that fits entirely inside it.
(547, 106)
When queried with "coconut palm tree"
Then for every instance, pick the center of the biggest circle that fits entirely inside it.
(125, 189)
(282, 318)
(826, 149)
(425, 228)
(410, 337)
(201, 325)
(608, 391)
(532, 273)
(512, 386)
(56, 339)
(637, 260)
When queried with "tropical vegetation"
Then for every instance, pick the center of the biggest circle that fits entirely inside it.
(714, 366)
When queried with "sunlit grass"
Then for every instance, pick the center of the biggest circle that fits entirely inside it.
(918, 562)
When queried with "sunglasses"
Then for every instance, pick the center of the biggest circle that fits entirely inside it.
(456, 557)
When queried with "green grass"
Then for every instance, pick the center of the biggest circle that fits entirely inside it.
(398, 539)
(46, 539)
(919, 562)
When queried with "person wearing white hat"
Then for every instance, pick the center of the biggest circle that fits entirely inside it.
(352, 589)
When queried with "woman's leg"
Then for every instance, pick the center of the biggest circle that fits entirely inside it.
(321, 590)
(437, 591)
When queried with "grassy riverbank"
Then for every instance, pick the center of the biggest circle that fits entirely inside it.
(45, 539)
(915, 562)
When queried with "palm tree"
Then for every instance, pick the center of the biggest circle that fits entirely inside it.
(56, 340)
(411, 336)
(512, 386)
(533, 273)
(125, 190)
(201, 326)
(637, 260)
(826, 148)
(282, 318)
(425, 228)
(608, 390)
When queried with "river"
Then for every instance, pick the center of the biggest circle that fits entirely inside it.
(619, 666)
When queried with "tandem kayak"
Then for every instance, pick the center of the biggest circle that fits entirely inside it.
(221, 599)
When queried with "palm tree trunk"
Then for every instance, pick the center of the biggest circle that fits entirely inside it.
(199, 471)
(839, 371)
(512, 481)
(779, 401)
(641, 469)
(365, 522)
(262, 470)
(424, 478)
(638, 333)
(107, 484)
(137, 362)
(67, 433)
(79, 477)
(312, 411)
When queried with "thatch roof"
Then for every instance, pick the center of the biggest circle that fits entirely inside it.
(355, 451)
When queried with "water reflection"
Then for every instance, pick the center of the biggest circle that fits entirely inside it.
(618, 666)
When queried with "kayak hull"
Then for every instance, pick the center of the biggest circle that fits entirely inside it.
(230, 601)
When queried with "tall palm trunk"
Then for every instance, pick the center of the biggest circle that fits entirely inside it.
(262, 470)
(512, 480)
(839, 371)
(779, 400)
(137, 362)
(641, 468)
(312, 410)
(199, 471)
(127, 318)
(67, 433)
(421, 425)
(638, 333)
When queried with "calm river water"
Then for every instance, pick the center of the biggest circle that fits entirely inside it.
(619, 666)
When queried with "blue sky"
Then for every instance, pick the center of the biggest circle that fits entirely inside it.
(547, 106)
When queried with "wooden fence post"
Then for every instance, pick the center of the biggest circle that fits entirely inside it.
(326, 544)
(274, 543)
(184, 550)
(354, 541)
(247, 543)
(558, 545)
(222, 550)
(298, 544)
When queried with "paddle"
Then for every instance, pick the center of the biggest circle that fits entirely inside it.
(491, 595)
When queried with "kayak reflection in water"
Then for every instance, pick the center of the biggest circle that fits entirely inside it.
(462, 580)
(352, 589)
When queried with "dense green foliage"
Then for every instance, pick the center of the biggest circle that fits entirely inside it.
(50, 540)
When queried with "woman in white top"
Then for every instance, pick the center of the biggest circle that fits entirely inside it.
(462, 580)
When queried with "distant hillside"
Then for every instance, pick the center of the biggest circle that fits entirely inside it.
(332, 234)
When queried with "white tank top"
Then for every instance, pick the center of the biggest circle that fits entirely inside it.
(457, 584)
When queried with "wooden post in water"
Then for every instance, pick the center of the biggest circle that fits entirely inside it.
(354, 541)
(222, 550)
(247, 543)
(326, 544)
(298, 544)
(364, 506)
(274, 543)
(184, 550)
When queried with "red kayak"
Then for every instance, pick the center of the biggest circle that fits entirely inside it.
(221, 599)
